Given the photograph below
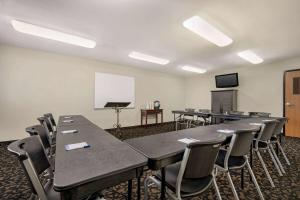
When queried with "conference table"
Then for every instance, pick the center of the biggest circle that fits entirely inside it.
(165, 149)
(106, 163)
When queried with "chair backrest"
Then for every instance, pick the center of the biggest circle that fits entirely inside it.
(33, 159)
(52, 120)
(199, 158)
(40, 131)
(240, 143)
(279, 125)
(44, 121)
(267, 130)
(259, 114)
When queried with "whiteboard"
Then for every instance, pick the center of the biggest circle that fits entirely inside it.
(114, 88)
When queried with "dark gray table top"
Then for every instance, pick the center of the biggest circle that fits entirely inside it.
(161, 146)
(106, 156)
(77, 120)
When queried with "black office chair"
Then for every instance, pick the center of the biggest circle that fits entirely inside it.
(275, 139)
(52, 120)
(41, 132)
(35, 162)
(259, 114)
(235, 157)
(45, 122)
(262, 142)
(194, 174)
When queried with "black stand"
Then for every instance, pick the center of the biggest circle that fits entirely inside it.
(117, 106)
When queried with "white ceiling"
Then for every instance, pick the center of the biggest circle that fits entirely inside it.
(271, 28)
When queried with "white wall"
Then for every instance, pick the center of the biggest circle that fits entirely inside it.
(261, 87)
(36, 82)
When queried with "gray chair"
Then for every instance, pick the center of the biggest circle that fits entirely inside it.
(276, 138)
(262, 143)
(45, 138)
(194, 174)
(235, 157)
(259, 114)
(52, 120)
(45, 122)
(35, 162)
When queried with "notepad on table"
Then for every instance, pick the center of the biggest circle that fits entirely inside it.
(188, 140)
(80, 145)
(68, 121)
(69, 131)
(225, 131)
(256, 124)
(67, 117)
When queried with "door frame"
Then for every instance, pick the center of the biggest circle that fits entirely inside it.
(283, 103)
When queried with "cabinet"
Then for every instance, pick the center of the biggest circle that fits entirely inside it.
(223, 100)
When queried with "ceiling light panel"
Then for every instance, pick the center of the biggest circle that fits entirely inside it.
(193, 69)
(148, 58)
(250, 56)
(51, 34)
(207, 31)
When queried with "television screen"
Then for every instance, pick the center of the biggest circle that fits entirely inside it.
(227, 80)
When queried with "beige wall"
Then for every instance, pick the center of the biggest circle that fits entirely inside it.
(35, 82)
(261, 87)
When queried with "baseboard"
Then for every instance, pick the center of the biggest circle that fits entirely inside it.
(143, 126)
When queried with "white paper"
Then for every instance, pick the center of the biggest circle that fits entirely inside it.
(67, 117)
(256, 124)
(225, 131)
(69, 131)
(68, 121)
(267, 120)
(188, 140)
(80, 145)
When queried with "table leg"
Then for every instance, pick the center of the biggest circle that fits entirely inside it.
(141, 119)
(146, 118)
(156, 120)
(174, 122)
(139, 188)
(251, 158)
(163, 183)
(129, 190)
(242, 178)
(162, 116)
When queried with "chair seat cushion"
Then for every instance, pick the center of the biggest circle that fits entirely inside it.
(188, 186)
(233, 161)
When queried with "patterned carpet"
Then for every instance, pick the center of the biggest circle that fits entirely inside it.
(14, 185)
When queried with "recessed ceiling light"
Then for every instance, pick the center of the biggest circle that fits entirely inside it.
(148, 58)
(193, 69)
(207, 31)
(250, 56)
(51, 34)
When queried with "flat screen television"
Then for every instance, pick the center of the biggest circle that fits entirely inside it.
(227, 80)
